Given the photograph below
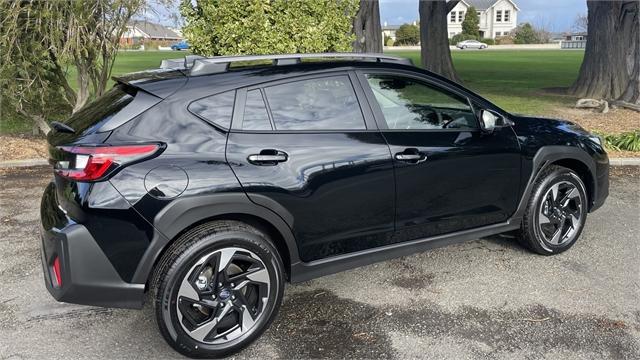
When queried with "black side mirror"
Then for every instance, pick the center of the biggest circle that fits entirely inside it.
(489, 120)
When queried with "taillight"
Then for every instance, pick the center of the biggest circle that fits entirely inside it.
(91, 163)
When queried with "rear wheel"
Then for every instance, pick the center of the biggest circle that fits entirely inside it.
(556, 213)
(217, 288)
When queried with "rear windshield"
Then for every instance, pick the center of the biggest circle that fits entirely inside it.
(95, 113)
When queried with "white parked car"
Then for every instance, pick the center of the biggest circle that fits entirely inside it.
(471, 44)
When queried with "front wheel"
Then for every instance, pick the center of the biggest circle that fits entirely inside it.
(556, 212)
(217, 289)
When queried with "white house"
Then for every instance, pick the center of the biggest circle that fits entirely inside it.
(389, 30)
(497, 17)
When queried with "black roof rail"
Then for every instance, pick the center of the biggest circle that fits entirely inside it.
(200, 65)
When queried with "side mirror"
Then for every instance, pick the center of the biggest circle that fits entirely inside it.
(489, 120)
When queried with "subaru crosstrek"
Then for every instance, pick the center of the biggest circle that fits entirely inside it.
(209, 183)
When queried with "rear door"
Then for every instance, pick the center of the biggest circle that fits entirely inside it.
(450, 176)
(308, 146)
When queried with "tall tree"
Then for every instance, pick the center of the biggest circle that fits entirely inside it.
(471, 23)
(581, 23)
(366, 27)
(434, 42)
(611, 65)
(42, 39)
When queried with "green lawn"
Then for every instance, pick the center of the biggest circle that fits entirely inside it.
(512, 79)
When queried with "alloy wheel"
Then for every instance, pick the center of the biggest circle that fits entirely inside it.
(560, 213)
(223, 295)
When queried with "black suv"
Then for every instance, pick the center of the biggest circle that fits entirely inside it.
(209, 183)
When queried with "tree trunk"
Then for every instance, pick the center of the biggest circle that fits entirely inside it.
(434, 43)
(611, 66)
(366, 27)
(38, 122)
(83, 86)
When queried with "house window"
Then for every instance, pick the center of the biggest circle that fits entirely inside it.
(507, 15)
(453, 17)
(452, 34)
(479, 13)
(460, 16)
(498, 15)
(498, 33)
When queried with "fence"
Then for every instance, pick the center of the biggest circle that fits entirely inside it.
(573, 44)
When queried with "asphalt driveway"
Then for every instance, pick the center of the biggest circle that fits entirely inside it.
(487, 298)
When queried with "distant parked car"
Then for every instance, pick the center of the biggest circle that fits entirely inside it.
(182, 45)
(471, 44)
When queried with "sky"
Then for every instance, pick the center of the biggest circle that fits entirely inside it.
(554, 15)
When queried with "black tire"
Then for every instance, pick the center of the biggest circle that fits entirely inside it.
(177, 265)
(531, 233)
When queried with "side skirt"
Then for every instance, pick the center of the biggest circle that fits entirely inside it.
(304, 271)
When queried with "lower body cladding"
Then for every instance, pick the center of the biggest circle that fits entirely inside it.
(85, 275)
(77, 271)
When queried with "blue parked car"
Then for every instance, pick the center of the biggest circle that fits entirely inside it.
(182, 45)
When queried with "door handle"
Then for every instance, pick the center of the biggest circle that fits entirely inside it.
(411, 155)
(268, 157)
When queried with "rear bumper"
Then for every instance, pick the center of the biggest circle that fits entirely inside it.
(87, 276)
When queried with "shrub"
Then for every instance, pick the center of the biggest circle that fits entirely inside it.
(389, 42)
(408, 34)
(629, 141)
(461, 37)
(504, 40)
(526, 34)
(489, 41)
(231, 27)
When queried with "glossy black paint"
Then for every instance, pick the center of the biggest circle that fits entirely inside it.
(339, 198)
(339, 187)
(469, 179)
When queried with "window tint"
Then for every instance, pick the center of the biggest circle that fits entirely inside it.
(317, 104)
(408, 104)
(255, 112)
(216, 109)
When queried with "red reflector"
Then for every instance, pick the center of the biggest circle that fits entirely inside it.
(99, 160)
(56, 272)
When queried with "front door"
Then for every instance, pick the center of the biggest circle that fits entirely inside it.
(307, 145)
(450, 176)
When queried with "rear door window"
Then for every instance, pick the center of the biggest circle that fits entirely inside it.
(327, 103)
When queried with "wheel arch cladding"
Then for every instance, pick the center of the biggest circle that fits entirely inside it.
(568, 156)
(186, 213)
